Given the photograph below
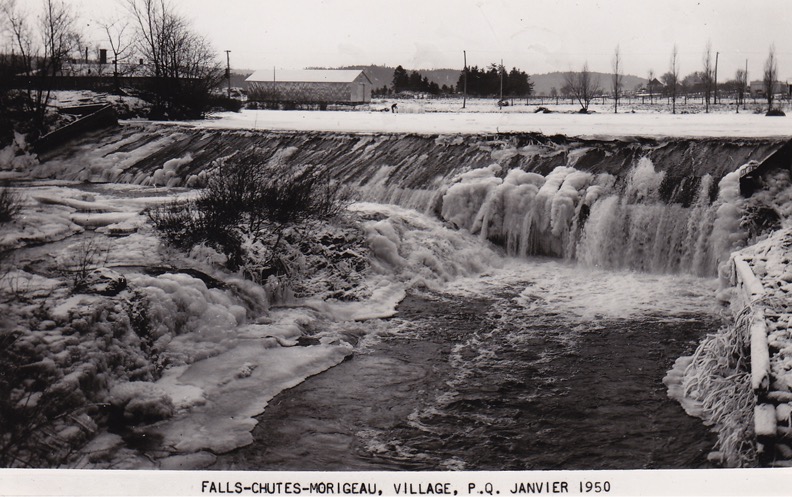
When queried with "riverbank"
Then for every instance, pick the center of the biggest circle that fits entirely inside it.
(763, 278)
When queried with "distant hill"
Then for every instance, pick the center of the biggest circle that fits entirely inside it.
(543, 83)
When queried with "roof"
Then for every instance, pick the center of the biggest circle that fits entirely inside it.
(306, 75)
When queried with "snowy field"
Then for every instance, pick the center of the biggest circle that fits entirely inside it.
(483, 116)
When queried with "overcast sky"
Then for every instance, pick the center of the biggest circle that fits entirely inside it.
(538, 36)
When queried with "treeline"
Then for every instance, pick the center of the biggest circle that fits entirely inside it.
(487, 82)
(480, 83)
(412, 82)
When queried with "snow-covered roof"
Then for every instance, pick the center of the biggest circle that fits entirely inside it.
(306, 75)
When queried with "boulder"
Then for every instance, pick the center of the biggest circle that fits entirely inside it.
(103, 281)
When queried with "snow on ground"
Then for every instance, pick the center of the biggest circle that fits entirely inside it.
(124, 104)
(224, 351)
(38, 222)
(770, 261)
(430, 117)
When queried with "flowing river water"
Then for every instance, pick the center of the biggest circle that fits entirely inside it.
(537, 365)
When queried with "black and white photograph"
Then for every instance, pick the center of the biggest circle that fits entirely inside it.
(531, 240)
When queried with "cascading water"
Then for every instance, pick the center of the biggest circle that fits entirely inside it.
(599, 220)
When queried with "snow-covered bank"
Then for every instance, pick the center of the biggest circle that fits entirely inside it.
(600, 125)
(171, 348)
(740, 379)
(765, 287)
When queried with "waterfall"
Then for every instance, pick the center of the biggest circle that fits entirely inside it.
(644, 204)
(597, 219)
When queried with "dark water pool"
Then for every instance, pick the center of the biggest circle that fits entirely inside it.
(467, 383)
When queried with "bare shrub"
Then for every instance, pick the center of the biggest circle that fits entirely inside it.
(185, 225)
(10, 204)
(91, 254)
(246, 197)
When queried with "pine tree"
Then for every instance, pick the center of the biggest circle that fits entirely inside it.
(400, 79)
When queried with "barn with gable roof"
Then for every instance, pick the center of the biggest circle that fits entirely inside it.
(310, 86)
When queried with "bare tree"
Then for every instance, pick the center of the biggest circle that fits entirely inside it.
(120, 44)
(770, 77)
(59, 38)
(184, 66)
(616, 79)
(650, 85)
(583, 86)
(741, 83)
(566, 91)
(672, 78)
(554, 94)
(16, 22)
(707, 75)
(44, 58)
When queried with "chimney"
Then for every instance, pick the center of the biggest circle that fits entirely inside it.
(103, 56)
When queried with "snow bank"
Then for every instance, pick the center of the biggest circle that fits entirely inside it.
(188, 320)
(236, 386)
(749, 403)
(600, 125)
(37, 224)
(15, 157)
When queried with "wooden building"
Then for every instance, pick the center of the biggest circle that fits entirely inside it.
(310, 86)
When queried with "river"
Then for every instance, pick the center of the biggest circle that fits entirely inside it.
(537, 365)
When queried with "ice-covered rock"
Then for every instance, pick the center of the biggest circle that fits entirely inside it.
(103, 281)
(141, 401)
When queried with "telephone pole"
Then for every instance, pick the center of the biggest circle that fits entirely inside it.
(464, 88)
(716, 77)
(500, 70)
(228, 71)
(747, 83)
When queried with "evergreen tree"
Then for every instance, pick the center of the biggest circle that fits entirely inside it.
(400, 79)
(414, 81)
(486, 83)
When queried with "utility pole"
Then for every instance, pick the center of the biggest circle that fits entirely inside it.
(464, 88)
(500, 70)
(747, 83)
(716, 77)
(228, 71)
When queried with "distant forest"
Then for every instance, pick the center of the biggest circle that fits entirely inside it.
(542, 84)
(481, 82)
(495, 81)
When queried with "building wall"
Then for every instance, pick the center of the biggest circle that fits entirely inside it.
(272, 91)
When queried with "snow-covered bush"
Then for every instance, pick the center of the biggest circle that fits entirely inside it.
(718, 378)
(251, 207)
